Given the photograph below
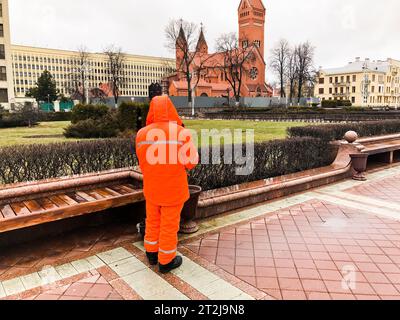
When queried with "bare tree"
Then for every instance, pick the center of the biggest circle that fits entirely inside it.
(305, 65)
(292, 74)
(182, 38)
(279, 62)
(78, 75)
(115, 70)
(236, 61)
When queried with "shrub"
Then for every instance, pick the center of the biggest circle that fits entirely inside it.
(132, 116)
(127, 116)
(143, 111)
(106, 127)
(337, 131)
(55, 116)
(274, 158)
(271, 159)
(13, 122)
(82, 112)
(335, 103)
(37, 162)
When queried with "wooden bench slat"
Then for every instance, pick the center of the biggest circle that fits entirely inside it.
(104, 193)
(58, 201)
(85, 196)
(7, 212)
(76, 198)
(67, 199)
(120, 190)
(20, 209)
(95, 195)
(128, 188)
(113, 192)
(33, 206)
(46, 204)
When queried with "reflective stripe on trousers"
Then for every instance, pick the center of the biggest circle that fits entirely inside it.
(168, 252)
(151, 243)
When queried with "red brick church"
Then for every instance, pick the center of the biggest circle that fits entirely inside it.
(251, 14)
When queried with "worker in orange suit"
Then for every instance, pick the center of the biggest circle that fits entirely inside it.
(165, 150)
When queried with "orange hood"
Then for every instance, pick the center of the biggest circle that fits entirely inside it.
(162, 110)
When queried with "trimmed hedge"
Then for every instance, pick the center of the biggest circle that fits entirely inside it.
(37, 162)
(55, 116)
(274, 158)
(337, 131)
(271, 159)
(14, 122)
(335, 103)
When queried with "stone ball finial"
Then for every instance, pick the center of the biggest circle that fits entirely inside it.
(351, 136)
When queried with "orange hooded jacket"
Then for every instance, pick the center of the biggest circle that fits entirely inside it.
(165, 150)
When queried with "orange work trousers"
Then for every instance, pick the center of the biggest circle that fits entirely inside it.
(162, 227)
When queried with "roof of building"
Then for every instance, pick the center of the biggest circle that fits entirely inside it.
(202, 40)
(257, 4)
(358, 66)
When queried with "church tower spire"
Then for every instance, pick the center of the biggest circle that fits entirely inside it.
(181, 47)
(202, 46)
(252, 24)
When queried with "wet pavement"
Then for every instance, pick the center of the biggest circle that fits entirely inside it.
(336, 242)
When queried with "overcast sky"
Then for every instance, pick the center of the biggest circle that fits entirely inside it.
(339, 29)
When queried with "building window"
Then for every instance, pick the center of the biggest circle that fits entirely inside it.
(257, 43)
(245, 44)
(353, 99)
(354, 89)
(330, 80)
(321, 90)
(3, 74)
(321, 80)
(3, 96)
(2, 52)
(1, 10)
(1, 30)
(354, 78)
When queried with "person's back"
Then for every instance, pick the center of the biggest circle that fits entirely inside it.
(165, 150)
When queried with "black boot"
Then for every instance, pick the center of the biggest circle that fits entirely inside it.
(174, 264)
(153, 257)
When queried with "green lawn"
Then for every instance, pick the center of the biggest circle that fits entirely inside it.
(47, 132)
(264, 131)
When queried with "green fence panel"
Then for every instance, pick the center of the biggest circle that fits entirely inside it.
(66, 106)
(47, 107)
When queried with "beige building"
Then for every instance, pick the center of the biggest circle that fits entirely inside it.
(364, 83)
(30, 62)
(6, 74)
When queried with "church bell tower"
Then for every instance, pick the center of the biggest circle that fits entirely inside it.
(252, 24)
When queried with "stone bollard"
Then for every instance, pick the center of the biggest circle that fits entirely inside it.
(359, 160)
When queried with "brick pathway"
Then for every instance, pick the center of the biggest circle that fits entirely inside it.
(337, 242)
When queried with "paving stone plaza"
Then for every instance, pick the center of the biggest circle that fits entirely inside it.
(341, 241)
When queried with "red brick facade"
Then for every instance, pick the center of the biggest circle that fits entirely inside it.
(212, 83)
